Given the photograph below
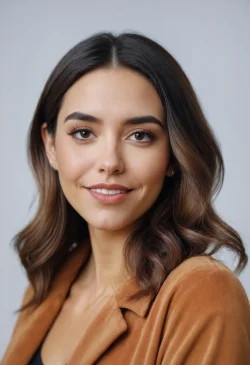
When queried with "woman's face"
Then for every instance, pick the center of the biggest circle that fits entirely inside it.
(108, 149)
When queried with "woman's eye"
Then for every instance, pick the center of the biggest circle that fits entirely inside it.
(84, 134)
(140, 136)
(81, 134)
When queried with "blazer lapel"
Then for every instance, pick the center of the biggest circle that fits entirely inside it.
(109, 324)
(32, 325)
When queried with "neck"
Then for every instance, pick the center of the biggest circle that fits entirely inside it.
(105, 270)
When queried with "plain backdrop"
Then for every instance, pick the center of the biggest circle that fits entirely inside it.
(211, 41)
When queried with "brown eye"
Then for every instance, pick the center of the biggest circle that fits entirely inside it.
(84, 133)
(81, 134)
(141, 135)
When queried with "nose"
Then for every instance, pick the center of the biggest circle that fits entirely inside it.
(111, 160)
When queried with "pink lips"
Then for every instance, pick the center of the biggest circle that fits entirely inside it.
(109, 187)
(109, 198)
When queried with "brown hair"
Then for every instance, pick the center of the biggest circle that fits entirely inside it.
(181, 223)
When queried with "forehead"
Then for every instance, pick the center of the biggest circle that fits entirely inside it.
(113, 91)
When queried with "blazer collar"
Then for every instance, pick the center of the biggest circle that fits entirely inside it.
(109, 324)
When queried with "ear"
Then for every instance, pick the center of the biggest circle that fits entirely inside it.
(49, 144)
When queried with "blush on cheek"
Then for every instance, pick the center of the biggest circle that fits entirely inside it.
(69, 163)
(68, 170)
(74, 173)
(153, 171)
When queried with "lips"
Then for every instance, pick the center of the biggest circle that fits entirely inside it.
(109, 198)
(110, 187)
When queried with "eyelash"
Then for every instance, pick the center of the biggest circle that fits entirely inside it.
(150, 135)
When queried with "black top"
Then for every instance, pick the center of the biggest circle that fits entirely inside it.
(36, 359)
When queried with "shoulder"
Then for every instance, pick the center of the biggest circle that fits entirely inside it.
(203, 307)
(199, 270)
(207, 282)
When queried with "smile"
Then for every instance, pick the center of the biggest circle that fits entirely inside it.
(106, 191)
(109, 196)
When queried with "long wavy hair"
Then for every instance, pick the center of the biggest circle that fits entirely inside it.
(181, 223)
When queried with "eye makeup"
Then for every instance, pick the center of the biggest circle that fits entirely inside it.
(79, 130)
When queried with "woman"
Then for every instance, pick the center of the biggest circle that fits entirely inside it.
(119, 254)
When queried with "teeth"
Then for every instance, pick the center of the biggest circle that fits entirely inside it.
(107, 192)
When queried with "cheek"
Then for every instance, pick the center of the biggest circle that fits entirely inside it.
(154, 179)
(70, 162)
(151, 170)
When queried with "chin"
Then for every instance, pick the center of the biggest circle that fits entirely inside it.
(109, 224)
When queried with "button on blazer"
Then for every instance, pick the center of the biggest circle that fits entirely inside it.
(200, 316)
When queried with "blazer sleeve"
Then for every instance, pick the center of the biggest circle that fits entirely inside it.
(26, 297)
(208, 321)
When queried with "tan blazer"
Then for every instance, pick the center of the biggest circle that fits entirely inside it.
(201, 316)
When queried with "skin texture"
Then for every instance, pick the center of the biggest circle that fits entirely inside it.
(110, 153)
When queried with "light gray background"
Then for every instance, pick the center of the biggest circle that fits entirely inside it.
(210, 39)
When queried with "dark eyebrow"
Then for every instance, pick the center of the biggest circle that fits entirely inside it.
(135, 120)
